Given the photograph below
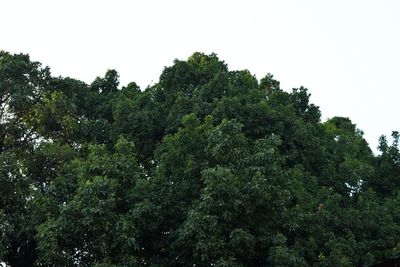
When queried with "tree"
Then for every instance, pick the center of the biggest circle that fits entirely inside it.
(207, 167)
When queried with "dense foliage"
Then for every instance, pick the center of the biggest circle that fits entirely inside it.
(208, 167)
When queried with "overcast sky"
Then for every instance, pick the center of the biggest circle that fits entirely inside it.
(346, 52)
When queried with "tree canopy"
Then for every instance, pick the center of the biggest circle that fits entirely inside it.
(207, 167)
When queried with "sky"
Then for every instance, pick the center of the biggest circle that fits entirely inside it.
(346, 52)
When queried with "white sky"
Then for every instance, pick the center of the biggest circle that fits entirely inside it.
(346, 52)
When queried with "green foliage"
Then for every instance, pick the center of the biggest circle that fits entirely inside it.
(207, 167)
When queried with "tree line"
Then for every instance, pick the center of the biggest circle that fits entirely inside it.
(207, 167)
